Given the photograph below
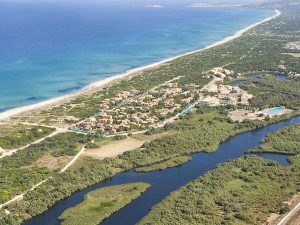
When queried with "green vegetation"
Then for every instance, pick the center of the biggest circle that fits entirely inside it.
(100, 204)
(16, 173)
(176, 161)
(242, 191)
(295, 160)
(14, 181)
(15, 136)
(284, 141)
(88, 172)
(245, 191)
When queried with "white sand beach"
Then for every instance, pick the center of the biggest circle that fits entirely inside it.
(102, 83)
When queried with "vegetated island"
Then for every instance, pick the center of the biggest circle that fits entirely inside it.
(101, 203)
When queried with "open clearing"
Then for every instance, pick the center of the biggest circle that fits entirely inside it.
(114, 149)
(53, 162)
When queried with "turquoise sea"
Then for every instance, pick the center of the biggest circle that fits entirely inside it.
(50, 49)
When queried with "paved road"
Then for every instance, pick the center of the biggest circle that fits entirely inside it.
(287, 217)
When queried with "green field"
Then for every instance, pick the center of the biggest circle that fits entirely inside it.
(101, 203)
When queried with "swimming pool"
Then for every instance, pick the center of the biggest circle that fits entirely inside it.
(275, 110)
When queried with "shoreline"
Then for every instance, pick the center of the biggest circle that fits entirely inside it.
(104, 82)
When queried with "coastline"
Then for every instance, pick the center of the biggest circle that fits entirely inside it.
(107, 81)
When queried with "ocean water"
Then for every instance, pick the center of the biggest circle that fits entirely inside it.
(50, 49)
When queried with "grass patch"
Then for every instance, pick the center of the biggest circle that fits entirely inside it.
(100, 204)
(295, 160)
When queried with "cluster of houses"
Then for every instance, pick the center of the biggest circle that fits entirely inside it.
(227, 95)
(293, 45)
(135, 110)
(219, 94)
(230, 95)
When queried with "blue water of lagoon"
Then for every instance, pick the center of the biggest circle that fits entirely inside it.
(50, 49)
